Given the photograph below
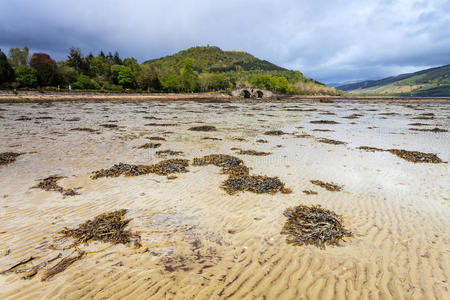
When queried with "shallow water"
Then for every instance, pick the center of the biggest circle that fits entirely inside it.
(198, 241)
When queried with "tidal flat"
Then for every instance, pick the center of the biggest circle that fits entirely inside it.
(277, 200)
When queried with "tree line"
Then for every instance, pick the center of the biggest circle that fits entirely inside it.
(109, 72)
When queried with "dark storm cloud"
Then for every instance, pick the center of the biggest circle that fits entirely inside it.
(331, 41)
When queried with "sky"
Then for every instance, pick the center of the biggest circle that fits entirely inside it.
(333, 41)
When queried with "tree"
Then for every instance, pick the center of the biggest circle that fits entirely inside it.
(85, 83)
(98, 66)
(205, 82)
(126, 77)
(148, 78)
(69, 74)
(75, 59)
(263, 81)
(18, 57)
(171, 82)
(45, 67)
(6, 71)
(116, 58)
(189, 78)
(221, 82)
(26, 76)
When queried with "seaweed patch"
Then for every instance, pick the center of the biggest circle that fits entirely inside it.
(203, 128)
(163, 168)
(8, 157)
(149, 146)
(49, 184)
(329, 186)
(275, 132)
(313, 225)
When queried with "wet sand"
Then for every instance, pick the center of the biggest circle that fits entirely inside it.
(198, 242)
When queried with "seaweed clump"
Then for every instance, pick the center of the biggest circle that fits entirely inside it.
(219, 160)
(8, 157)
(370, 149)
(435, 129)
(313, 225)
(332, 187)
(108, 227)
(253, 183)
(412, 156)
(416, 157)
(168, 152)
(162, 168)
(253, 152)
(330, 141)
(50, 184)
(155, 138)
(323, 122)
(239, 178)
(109, 125)
(203, 128)
(83, 129)
(149, 146)
(274, 132)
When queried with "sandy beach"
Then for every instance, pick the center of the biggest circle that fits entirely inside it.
(198, 241)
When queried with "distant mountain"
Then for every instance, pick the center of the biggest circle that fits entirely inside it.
(434, 82)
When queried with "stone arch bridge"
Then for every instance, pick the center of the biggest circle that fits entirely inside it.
(252, 93)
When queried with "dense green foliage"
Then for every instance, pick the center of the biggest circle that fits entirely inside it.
(26, 76)
(6, 71)
(198, 69)
(434, 82)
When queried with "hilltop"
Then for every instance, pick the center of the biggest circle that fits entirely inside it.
(434, 82)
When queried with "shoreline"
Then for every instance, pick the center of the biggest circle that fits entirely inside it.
(24, 97)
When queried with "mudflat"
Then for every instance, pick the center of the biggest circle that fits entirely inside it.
(88, 212)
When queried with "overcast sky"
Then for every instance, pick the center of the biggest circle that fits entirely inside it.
(328, 40)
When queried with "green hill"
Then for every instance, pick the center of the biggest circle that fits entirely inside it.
(434, 82)
(241, 69)
(213, 59)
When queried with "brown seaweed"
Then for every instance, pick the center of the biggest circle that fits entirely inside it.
(8, 157)
(329, 186)
(163, 168)
(310, 192)
(219, 160)
(313, 225)
(261, 141)
(149, 146)
(435, 129)
(370, 149)
(416, 157)
(50, 184)
(61, 266)
(109, 125)
(203, 128)
(211, 138)
(155, 138)
(253, 152)
(108, 227)
(330, 141)
(275, 132)
(323, 122)
(253, 183)
(412, 156)
(83, 129)
(168, 152)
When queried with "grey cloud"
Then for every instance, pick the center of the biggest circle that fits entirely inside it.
(327, 40)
